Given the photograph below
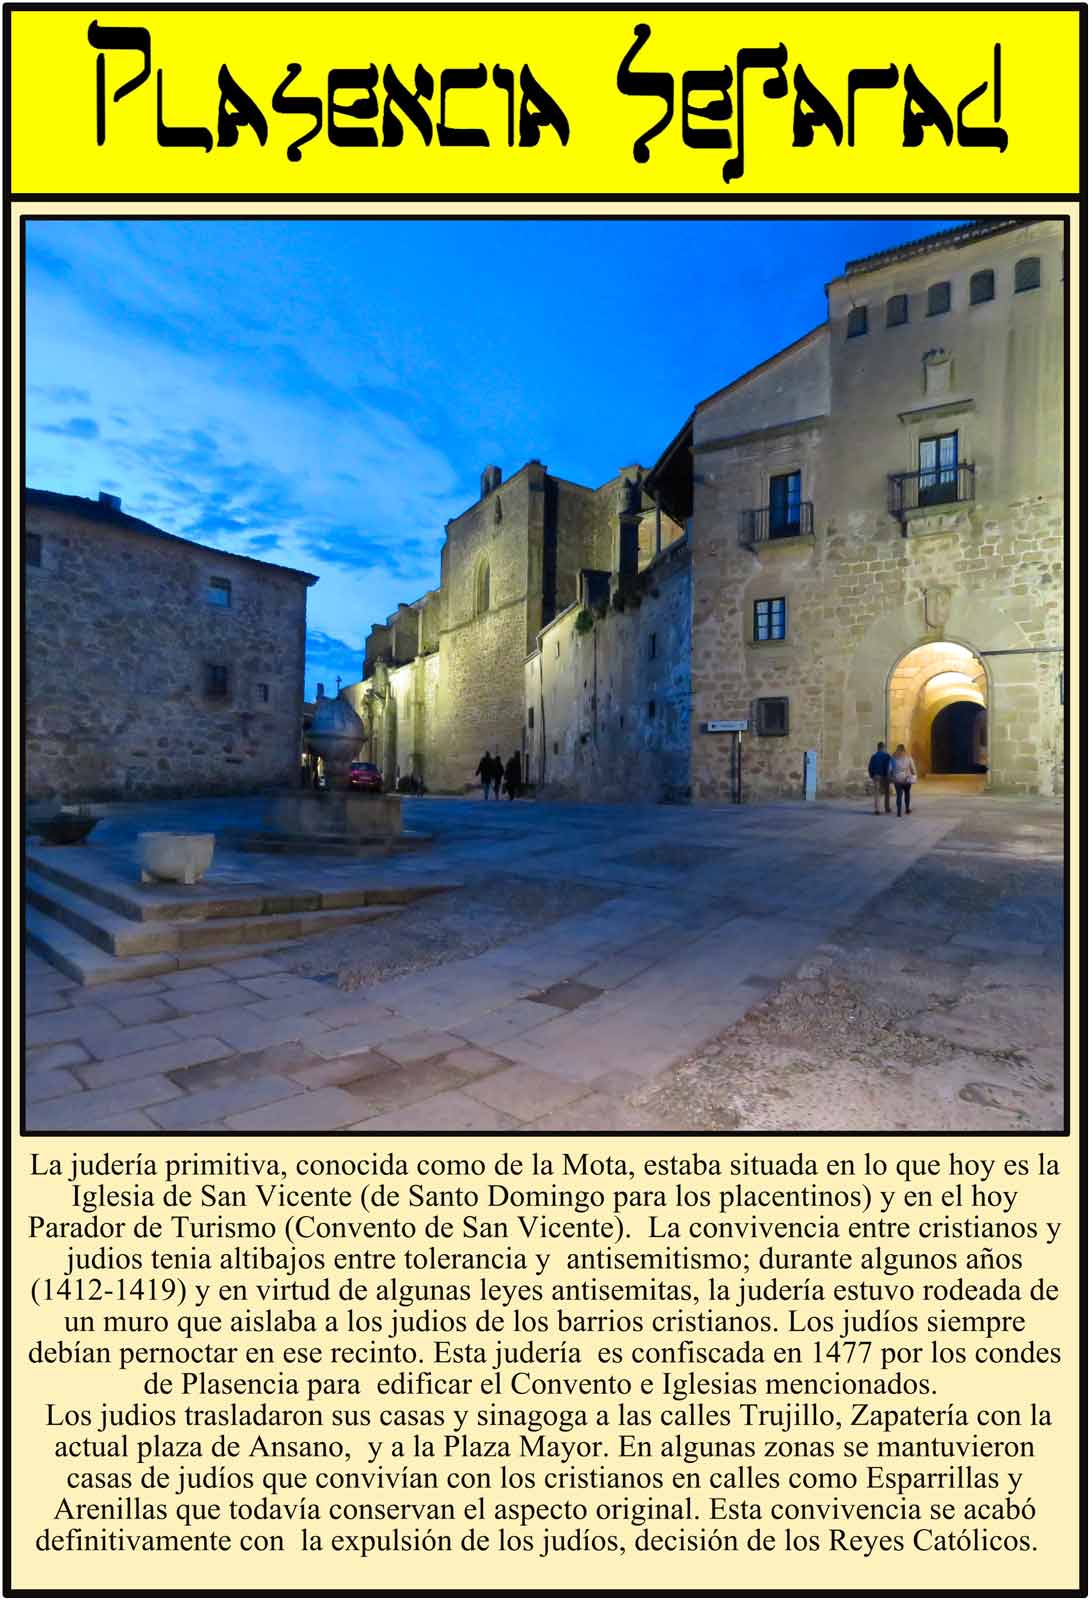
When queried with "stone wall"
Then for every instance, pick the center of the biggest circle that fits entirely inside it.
(607, 701)
(120, 637)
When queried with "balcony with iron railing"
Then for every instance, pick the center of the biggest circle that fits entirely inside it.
(765, 523)
(930, 489)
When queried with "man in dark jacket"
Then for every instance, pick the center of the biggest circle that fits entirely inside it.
(485, 772)
(513, 775)
(497, 773)
(881, 764)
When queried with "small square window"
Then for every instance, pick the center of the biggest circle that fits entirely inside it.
(938, 299)
(770, 619)
(1027, 274)
(263, 693)
(857, 321)
(218, 592)
(981, 287)
(771, 717)
(896, 310)
(215, 681)
(33, 549)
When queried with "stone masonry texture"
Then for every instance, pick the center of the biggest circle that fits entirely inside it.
(121, 638)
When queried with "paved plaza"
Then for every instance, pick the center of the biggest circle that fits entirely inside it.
(780, 966)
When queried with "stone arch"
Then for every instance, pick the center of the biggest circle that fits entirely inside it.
(924, 681)
(975, 621)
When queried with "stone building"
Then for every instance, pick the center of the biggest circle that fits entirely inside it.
(445, 677)
(153, 665)
(859, 539)
(877, 526)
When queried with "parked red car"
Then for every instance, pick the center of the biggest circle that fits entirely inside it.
(365, 775)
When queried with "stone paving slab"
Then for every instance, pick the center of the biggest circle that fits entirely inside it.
(133, 1009)
(216, 1104)
(91, 1105)
(316, 1112)
(114, 1040)
(454, 1112)
(164, 1058)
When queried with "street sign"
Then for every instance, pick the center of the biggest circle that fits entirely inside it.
(727, 727)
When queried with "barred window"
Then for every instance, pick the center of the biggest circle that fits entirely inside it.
(771, 717)
(770, 619)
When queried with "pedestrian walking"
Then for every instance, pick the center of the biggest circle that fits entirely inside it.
(904, 776)
(881, 765)
(497, 773)
(484, 772)
(513, 775)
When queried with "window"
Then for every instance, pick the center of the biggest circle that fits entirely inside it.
(981, 287)
(33, 548)
(263, 693)
(651, 708)
(653, 646)
(785, 498)
(483, 596)
(1027, 274)
(530, 716)
(218, 592)
(938, 299)
(770, 619)
(771, 718)
(857, 321)
(215, 681)
(558, 647)
(896, 310)
(938, 469)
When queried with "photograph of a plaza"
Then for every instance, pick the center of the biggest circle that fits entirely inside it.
(556, 674)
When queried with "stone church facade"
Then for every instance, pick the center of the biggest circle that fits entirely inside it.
(446, 676)
(860, 539)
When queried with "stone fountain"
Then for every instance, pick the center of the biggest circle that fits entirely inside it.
(336, 816)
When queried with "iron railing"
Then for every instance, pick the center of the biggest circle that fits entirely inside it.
(936, 486)
(775, 522)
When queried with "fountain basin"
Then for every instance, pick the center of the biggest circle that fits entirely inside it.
(175, 857)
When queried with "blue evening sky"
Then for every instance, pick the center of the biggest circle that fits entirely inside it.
(325, 394)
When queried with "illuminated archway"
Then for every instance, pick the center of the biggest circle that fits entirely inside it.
(924, 688)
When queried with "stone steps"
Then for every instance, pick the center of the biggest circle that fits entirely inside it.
(98, 926)
(123, 936)
(90, 964)
(93, 877)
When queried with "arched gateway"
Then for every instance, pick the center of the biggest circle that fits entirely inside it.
(937, 707)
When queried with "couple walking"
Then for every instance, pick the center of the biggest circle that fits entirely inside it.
(898, 769)
(492, 773)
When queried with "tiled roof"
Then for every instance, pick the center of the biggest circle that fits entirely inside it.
(104, 511)
(965, 233)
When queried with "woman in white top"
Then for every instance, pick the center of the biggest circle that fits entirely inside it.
(904, 776)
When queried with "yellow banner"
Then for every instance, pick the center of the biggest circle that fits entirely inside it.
(441, 101)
